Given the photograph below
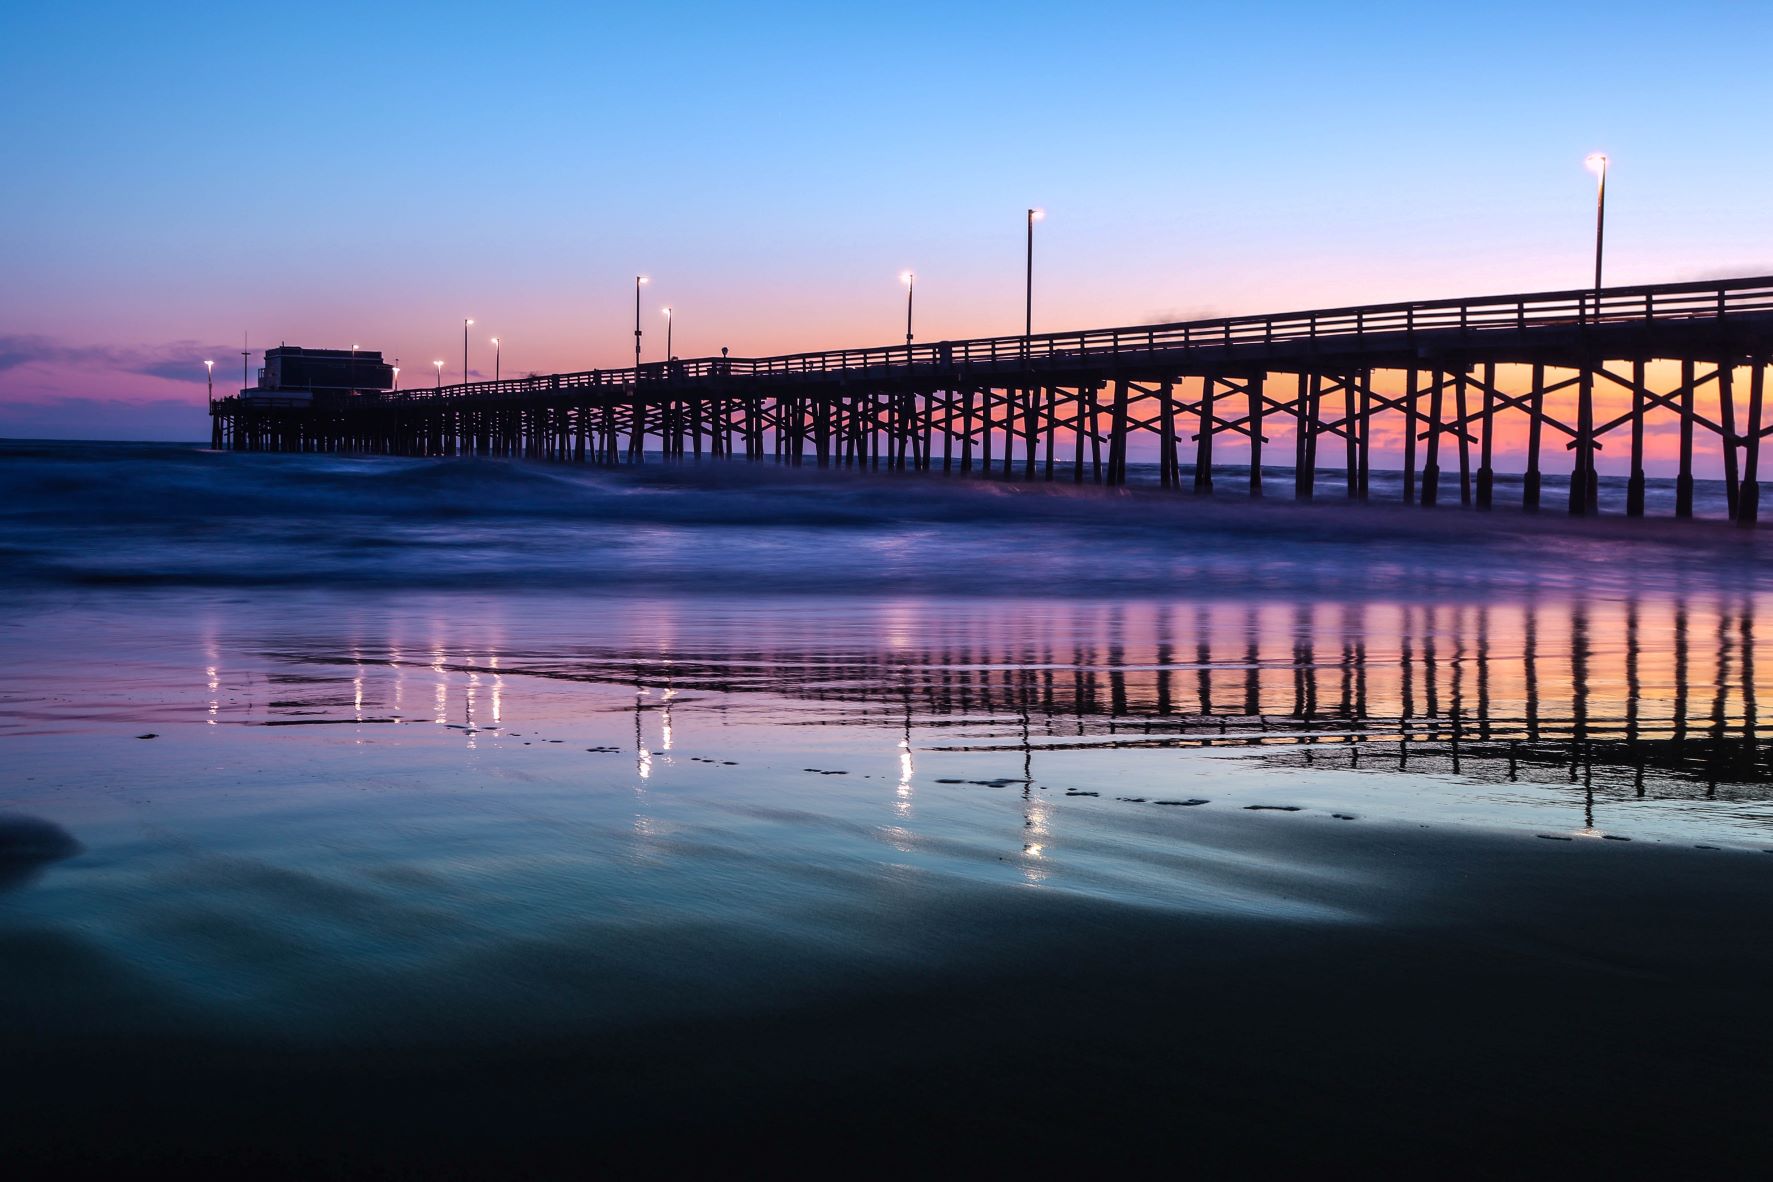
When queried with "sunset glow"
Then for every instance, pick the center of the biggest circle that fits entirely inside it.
(120, 290)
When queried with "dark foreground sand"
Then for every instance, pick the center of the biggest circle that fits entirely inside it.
(1522, 1005)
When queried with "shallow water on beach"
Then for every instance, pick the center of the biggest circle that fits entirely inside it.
(409, 814)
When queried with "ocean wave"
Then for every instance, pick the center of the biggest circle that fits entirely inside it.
(162, 515)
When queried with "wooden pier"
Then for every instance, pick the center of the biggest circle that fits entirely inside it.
(1421, 378)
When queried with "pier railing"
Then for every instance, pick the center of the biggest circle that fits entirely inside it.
(1476, 317)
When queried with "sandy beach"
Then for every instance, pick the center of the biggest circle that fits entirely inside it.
(409, 877)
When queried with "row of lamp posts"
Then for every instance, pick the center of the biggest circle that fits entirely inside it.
(1596, 162)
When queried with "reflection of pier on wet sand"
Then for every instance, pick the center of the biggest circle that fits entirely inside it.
(1654, 695)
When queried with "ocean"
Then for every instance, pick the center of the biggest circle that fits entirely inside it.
(366, 816)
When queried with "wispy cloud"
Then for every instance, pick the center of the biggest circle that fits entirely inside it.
(1733, 271)
(175, 360)
(103, 418)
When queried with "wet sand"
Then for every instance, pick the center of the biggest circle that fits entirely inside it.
(1491, 1001)
(438, 888)
(443, 818)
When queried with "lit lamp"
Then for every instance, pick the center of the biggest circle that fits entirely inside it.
(639, 280)
(496, 351)
(668, 322)
(909, 279)
(209, 366)
(1034, 215)
(1597, 164)
(439, 365)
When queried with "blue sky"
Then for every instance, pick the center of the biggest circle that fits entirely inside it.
(338, 174)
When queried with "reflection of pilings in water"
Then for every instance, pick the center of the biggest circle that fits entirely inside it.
(1586, 686)
(1483, 668)
(1748, 673)
(643, 758)
(1720, 691)
(1680, 672)
(1530, 671)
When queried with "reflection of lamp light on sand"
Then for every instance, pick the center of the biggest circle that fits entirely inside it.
(213, 678)
(902, 806)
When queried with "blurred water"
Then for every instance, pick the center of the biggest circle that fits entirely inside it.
(85, 514)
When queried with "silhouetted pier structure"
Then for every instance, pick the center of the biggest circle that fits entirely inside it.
(1421, 379)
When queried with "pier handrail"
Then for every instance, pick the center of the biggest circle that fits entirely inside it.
(1579, 308)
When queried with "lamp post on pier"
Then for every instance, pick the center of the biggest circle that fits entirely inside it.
(1034, 215)
(397, 373)
(1597, 164)
(909, 279)
(209, 367)
(668, 323)
(439, 364)
(639, 281)
(465, 323)
(497, 350)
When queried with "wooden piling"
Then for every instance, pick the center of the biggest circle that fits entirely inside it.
(1253, 392)
(1203, 447)
(1431, 465)
(1486, 476)
(1748, 501)
(1727, 420)
(1460, 416)
(1684, 476)
(1535, 421)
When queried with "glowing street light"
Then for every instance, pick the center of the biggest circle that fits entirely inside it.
(909, 279)
(1597, 164)
(209, 366)
(465, 323)
(497, 349)
(439, 364)
(668, 324)
(638, 281)
(1034, 215)
(397, 373)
